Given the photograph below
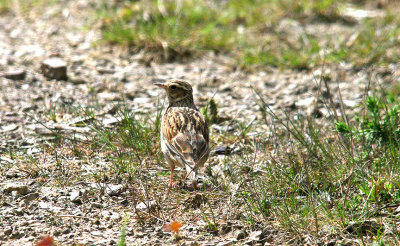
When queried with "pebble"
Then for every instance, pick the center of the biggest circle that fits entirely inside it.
(43, 205)
(19, 188)
(223, 150)
(75, 197)
(78, 80)
(54, 68)
(305, 102)
(96, 233)
(114, 190)
(144, 206)
(17, 74)
(222, 128)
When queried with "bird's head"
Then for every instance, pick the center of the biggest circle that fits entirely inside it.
(177, 90)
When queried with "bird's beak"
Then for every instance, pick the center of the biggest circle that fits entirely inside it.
(161, 85)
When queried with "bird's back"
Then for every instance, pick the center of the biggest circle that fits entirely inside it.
(186, 135)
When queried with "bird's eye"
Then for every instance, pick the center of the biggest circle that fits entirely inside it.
(173, 87)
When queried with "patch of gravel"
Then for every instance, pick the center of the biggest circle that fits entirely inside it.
(34, 100)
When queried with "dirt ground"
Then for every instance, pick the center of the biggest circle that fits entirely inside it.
(55, 193)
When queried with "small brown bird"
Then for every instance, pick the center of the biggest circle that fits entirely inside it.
(184, 131)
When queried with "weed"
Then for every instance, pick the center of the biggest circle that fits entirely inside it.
(212, 225)
(210, 112)
(122, 236)
(321, 176)
(131, 142)
(380, 125)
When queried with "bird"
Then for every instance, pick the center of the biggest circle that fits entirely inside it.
(184, 132)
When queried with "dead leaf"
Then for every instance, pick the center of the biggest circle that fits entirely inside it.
(174, 226)
(46, 241)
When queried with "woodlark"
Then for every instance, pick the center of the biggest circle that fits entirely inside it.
(184, 131)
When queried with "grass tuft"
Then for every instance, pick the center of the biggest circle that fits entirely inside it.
(255, 33)
(332, 175)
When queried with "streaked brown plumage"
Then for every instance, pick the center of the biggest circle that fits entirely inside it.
(184, 131)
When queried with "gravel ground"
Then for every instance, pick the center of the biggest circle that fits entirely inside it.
(81, 211)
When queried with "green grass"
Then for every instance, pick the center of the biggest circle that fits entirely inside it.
(303, 178)
(4, 6)
(249, 32)
(131, 143)
(324, 179)
(122, 237)
(24, 7)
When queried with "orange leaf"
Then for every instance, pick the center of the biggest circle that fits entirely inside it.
(46, 241)
(174, 226)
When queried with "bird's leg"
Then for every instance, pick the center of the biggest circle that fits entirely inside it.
(171, 177)
(170, 182)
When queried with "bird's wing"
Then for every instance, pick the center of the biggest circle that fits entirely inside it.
(186, 133)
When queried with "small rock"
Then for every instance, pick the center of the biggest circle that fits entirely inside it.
(350, 103)
(44, 205)
(75, 197)
(78, 80)
(143, 206)
(222, 128)
(306, 102)
(141, 100)
(96, 233)
(240, 234)
(54, 68)
(17, 74)
(223, 150)
(114, 190)
(19, 188)
(19, 211)
(105, 70)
